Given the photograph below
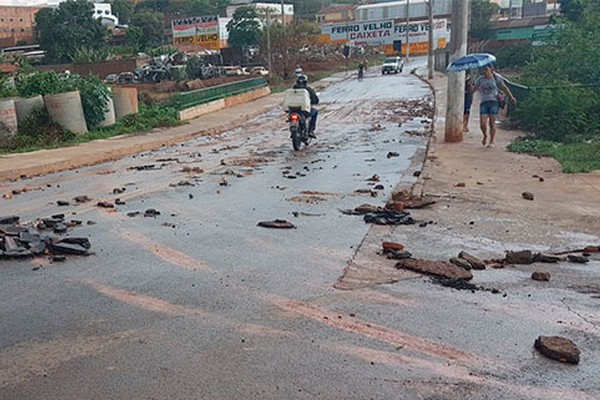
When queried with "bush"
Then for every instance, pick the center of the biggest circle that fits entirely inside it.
(558, 114)
(46, 82)
(148, 118)
(94, 93)
(514, 55)
(94, 97)
(37, 132)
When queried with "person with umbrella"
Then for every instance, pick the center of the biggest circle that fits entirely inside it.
(488, 87)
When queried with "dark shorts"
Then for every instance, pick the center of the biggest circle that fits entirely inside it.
(468, 103)
(489, 108)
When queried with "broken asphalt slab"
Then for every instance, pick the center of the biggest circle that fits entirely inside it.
(20, 242)
(437, 268)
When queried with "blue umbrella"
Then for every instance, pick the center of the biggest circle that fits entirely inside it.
(471, 61)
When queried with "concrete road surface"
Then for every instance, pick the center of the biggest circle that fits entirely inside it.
(201, 303)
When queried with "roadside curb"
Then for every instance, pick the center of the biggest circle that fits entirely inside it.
(418, 189)
(419, 162)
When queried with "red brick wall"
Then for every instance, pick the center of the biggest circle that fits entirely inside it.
(100, 69)
(17, 24)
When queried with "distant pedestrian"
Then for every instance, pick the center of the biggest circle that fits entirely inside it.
(488, 86)
(469, 90)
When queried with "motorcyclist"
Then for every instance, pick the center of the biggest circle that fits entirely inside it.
(302, 83)
(298, 71)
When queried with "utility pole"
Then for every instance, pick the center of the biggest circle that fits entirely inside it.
(269, 56)
(456, 80)
(285, 49)
(407, 31)
(430, 53)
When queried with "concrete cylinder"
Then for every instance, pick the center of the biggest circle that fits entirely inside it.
(8, 118)
(26, 107)
(66, 110)
(125, 100)
(109, 115)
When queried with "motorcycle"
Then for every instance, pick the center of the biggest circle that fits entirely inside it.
(298, 121)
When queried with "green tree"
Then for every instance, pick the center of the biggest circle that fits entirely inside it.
(184, 8)
(286, 44)
(565, 100)
(134, 36)
(123, 9)
(481, 13)
(151, 25)
(572, 9)
(68, 28)
(244, 28)
(153, 5)
(307, 9)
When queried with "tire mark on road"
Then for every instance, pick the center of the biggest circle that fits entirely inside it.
(160, 306)
(442, 368)
(378, 332)
(168, 254)
(146, 302)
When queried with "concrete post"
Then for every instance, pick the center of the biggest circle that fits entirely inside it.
(430, 40)
(456, 81)
(407, 31)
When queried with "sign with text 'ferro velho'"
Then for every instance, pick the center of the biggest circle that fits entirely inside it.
(199, 31)
(375, 33)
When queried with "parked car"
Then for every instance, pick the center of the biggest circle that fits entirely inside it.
(392, 64)
(111, 78)
(262, 71)
(126, 77)
(235, 71)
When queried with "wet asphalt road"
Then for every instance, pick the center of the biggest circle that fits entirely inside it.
(200, 303)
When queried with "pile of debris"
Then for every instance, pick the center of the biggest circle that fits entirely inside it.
(393, 213)
(39, 239)
(381, 216)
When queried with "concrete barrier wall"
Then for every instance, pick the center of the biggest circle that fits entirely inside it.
(195, 112)
(248, 96)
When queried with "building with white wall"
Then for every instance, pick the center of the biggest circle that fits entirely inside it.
(103, 12)
(274, 9)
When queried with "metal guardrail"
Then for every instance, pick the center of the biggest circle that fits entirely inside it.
(194, 98)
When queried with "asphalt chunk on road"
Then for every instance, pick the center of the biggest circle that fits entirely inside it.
(21, 242)
(277, 224)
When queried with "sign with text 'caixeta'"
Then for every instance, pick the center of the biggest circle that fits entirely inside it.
(199, 31)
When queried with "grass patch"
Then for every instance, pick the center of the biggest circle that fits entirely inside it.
(581, 156)
(38, 132)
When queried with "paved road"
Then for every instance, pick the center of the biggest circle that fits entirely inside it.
(200, 303)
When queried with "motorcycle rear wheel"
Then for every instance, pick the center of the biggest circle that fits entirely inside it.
(296, 137)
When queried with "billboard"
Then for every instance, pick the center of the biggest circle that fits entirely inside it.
(386, 32)
(199, 31)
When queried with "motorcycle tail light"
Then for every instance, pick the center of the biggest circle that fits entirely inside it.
(294, 117)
